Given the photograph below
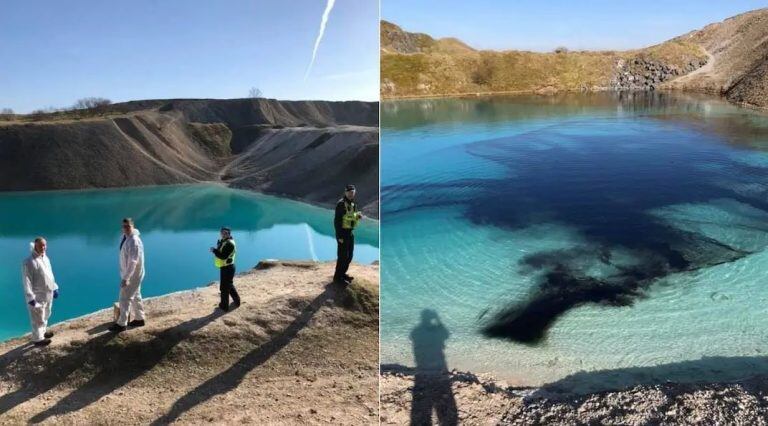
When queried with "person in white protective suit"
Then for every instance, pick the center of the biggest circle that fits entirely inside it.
(131, 275)
(40, 289)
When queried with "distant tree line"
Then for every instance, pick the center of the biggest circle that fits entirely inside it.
(48, 110)
(6, 114)
(254, 93)
(81, 108)
(88, 103)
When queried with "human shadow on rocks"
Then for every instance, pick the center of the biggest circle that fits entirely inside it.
(33, 384)
(99, 328)
(12, 355)
(234, 375)
(121, 364)
(432, 384)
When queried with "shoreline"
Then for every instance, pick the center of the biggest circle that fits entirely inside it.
(212, 183)
(187, 292)
(482, 399)
(463, 95)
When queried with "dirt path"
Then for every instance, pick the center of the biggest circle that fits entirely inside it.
(706, 69)
(297, 350)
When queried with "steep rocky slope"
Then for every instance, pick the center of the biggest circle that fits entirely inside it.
(298, 350)
(314, 147)
(729, 58)
(281, 160)
(738, 47)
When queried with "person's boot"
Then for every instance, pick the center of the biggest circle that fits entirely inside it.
(117, 328)
(348, 277)
(136, 323)
(223, 308)
(48, 334)
(44, 342)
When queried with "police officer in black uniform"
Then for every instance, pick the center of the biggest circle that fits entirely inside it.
(344, 221)
(224, 259)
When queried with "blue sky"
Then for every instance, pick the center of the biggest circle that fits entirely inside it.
(54, 52)
(542, 25)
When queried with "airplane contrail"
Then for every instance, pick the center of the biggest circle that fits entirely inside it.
(323, 22)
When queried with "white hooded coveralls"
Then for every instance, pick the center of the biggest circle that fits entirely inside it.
(131, 270)
(39, 283)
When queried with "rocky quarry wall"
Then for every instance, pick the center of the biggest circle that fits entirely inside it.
(646, 74)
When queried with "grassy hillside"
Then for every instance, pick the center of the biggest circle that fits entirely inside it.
(415, 64)
(395, 40)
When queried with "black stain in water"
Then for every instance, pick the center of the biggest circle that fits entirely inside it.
(562, 285)
(606, 191)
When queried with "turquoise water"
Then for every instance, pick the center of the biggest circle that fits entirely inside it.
(577, 233)
(178, 224)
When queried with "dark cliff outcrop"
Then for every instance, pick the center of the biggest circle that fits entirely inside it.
(645, 74)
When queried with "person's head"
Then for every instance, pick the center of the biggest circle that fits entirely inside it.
(226, 233)
(429, 316)
(350, 191)
(40, 245)
(127, 226)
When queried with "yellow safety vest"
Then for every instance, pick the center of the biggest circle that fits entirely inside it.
(220, 263)
(349, 220)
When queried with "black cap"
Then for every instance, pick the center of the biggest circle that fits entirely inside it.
(350, 187)
(226, 228)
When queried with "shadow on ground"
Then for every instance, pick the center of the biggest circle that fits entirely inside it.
(431, 394)
(134, 359)
(35, 384)
(234, 375)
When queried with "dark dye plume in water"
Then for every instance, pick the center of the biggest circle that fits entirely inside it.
(605, 183)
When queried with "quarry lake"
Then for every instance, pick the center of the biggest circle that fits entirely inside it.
(583, 240)
(178, 224)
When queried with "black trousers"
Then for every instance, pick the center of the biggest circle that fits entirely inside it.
(227, 286)
(344, 253)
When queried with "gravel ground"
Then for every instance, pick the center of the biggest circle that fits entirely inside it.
(296, 351)
(483, 401)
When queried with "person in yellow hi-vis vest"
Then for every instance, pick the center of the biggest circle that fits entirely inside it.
(344, 222)
(224, 259)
